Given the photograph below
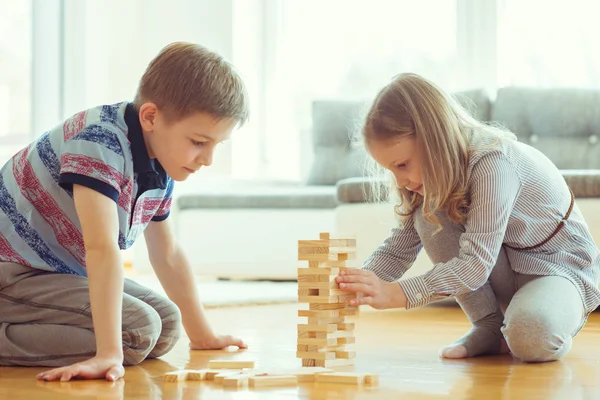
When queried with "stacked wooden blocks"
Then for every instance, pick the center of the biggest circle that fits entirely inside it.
(324, 340)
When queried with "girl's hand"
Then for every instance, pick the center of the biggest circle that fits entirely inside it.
(218, 342)
(110, 369)
(371, 290)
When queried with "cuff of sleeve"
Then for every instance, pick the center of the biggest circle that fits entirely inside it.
(66, 181)
(159, 218)
(416, 291)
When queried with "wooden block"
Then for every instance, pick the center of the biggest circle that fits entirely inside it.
(196, 375)
(332, 246)
(335, 334)
(329, 328)
(318, 341)
(230, 364)
(308, 292)
(338, 362)
(175, 376)
(320, 321)
(313, 264)
(326, 306)
(304, 374)
(211, 373)
(301, 347)
(318, 271)
(309, 362)
(371, 379)
(318, 257)
(346, 326)
(236, 381)
(345, 340)
(324, 235)
(327, 285)
(347, 378)
(316, 248)
(349, 311)
(277, 380)
(329, 355)
(345, 354)
(319, 299)
(220, 377)
(340, 377)
(318, 314)
(331, 291)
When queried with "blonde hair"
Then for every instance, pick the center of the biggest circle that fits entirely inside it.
(185, 78)
(443, 129)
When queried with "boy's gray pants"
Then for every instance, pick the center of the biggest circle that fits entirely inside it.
(542, 314)
(46, 320)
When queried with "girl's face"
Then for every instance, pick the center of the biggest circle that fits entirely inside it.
(402, 158)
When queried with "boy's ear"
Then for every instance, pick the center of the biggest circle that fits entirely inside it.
(148, 113)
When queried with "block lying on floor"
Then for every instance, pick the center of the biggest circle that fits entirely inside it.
(347, 377)
(270, 380)
(186, 375)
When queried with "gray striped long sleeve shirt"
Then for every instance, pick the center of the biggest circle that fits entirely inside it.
(518, 197)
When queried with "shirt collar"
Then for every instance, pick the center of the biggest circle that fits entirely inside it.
(150, 174)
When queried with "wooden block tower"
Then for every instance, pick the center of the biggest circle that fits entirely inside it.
(324, 341)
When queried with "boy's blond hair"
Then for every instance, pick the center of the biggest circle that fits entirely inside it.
(185, 78)
(442, 128)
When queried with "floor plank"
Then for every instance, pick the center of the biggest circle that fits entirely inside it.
(400, 346)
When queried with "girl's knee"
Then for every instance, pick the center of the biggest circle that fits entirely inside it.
(533, 338)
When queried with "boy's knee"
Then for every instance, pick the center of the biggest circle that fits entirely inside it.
(141, 335)
(532, 337)
(171, 328)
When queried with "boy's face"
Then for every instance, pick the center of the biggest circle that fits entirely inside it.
(184, 146)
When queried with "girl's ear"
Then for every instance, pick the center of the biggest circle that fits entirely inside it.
(148, 112)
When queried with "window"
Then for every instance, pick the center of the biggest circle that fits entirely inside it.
(15, 75)
(345, 49)
(549, 43)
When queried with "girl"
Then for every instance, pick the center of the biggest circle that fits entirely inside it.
(494, 215)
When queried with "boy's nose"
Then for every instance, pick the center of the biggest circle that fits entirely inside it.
(205, 159)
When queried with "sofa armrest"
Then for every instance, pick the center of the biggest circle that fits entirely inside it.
(361, 190)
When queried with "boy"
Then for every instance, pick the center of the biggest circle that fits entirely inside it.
(76, 196)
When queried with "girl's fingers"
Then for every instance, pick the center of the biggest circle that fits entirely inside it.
(361, 300)
(353, 279)
(358, 287)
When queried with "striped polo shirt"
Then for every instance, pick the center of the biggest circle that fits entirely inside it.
(518, 198)
(101, 148)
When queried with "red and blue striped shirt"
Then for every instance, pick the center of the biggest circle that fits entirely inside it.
(101, 148)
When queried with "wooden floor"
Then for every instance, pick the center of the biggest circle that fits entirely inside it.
(401, 346)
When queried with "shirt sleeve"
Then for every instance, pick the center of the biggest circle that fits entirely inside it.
(164, 210)
(494, 189)
(395, 256)
(94, 158)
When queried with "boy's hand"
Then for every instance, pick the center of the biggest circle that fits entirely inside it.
(217, 343)
(110, 369)
(371, 290)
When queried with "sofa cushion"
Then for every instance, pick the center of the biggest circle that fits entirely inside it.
(322, 197)
(559, 122)
(358, 190)
(336, 122)
(583, 183)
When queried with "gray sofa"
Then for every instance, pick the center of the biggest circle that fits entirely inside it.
(562, 123)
